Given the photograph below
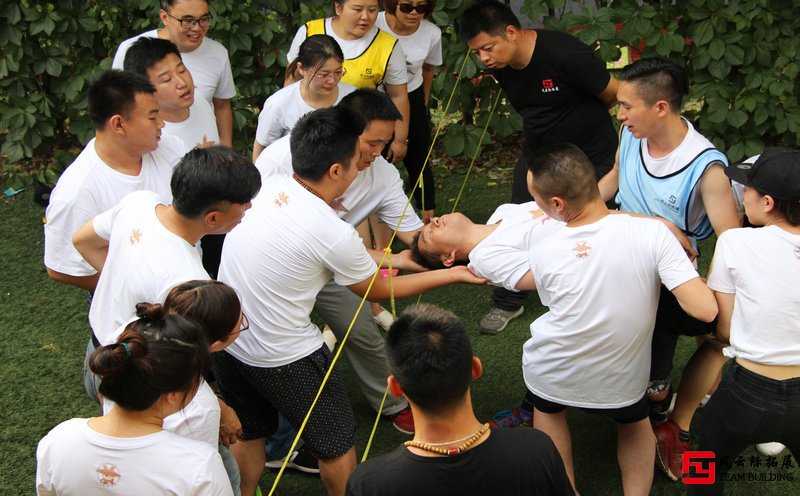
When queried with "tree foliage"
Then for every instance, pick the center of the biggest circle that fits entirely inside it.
(741, 56)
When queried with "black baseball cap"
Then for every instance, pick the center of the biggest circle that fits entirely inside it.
(776, 173)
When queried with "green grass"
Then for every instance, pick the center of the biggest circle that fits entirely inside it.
(44, 332)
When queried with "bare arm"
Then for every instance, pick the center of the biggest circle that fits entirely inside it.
(428, 71)
(257, 149)
(399, 95)
(527, 283)
(696, 299)
(414, 284)
(92, 247)
(609, 95)
(609, 184)
(717, 196)
(725, 304)
(224, 114)
(230, 428)
(88, 283)
(401, 260)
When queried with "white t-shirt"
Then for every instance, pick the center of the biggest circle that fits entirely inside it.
(145, 260)
(201, 122)
(377, 189)
(761, 268)
(395, 69)
(89, 187)
(283, 109)
(75, 460)
(601, 283)
(286, 249)
(199, 420)
(209, 65)
(502, 256)
(424, 46)
(691, 146)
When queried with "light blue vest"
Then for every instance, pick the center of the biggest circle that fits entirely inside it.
(668, 197)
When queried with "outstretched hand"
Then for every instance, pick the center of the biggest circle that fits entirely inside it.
(463, 274)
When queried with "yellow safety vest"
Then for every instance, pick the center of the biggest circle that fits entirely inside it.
(368, 68)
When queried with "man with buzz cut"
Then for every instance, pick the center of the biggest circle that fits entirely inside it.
(666, 168)
(560, 88)
(376, 188)
(127, 154)
(599, 276)
(431, 361)
(185, 112)
(285, 251)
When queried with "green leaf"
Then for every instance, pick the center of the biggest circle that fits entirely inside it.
(734, 55)
(453, 140)
(701, 33)
(719, 68)
(53, 67)
(737, 118)
(716, 48)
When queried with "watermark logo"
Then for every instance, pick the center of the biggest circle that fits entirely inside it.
(699, 467)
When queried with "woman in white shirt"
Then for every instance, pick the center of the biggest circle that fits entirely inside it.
(319, 68)
(421, 40)
(152, 371)
(754, 277)
(372, 58)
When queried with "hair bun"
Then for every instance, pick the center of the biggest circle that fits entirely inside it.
(153, 311)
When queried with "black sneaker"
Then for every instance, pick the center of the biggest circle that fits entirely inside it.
(300, 460)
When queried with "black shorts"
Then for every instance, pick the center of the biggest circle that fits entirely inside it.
(625, 415)
(255, 393)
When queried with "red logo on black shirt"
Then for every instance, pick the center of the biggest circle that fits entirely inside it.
(548, 86)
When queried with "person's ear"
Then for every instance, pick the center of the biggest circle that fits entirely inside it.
(511, 32)
(477, 368)
(663, 108)
(162, 14)
(394, 387)
(116, 124)
(218, 345)
(559, 205)
(769, 203)
(211, 218)
(449, 259)
(335, 171)
(299, 69)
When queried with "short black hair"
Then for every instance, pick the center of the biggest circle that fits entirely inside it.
(114, 93)
(562, 169)
(147, 52)
(207, 177)
(658, 79)
(485, 16)
(371, 105)
(322, 138)
(429, 353)
(427, 261)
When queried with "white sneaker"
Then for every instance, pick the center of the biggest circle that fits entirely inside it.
(770, 449)
(385, 319)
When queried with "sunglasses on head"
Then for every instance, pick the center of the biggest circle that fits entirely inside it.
(408, 8)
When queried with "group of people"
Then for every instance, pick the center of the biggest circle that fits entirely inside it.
(203, 268)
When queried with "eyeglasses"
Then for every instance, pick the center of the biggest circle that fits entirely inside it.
(408, 8)
(324, 76)
(190, 22)
(245, 325)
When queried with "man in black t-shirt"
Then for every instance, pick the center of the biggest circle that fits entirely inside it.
(431, 361)
(561, 90)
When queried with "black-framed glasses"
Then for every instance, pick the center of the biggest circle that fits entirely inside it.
(407, 8)
(245, 325)
(190, 22)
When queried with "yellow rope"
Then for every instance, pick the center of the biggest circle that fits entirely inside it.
(375, 426)
(477, 150)
(387, 252)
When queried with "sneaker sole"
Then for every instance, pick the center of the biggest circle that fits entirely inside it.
(410, 433)
(276, 465)
(492, 332)
(663, 466)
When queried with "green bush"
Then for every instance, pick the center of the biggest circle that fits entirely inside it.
(742, 59)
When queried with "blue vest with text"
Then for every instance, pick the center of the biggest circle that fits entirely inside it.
(668, 196)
